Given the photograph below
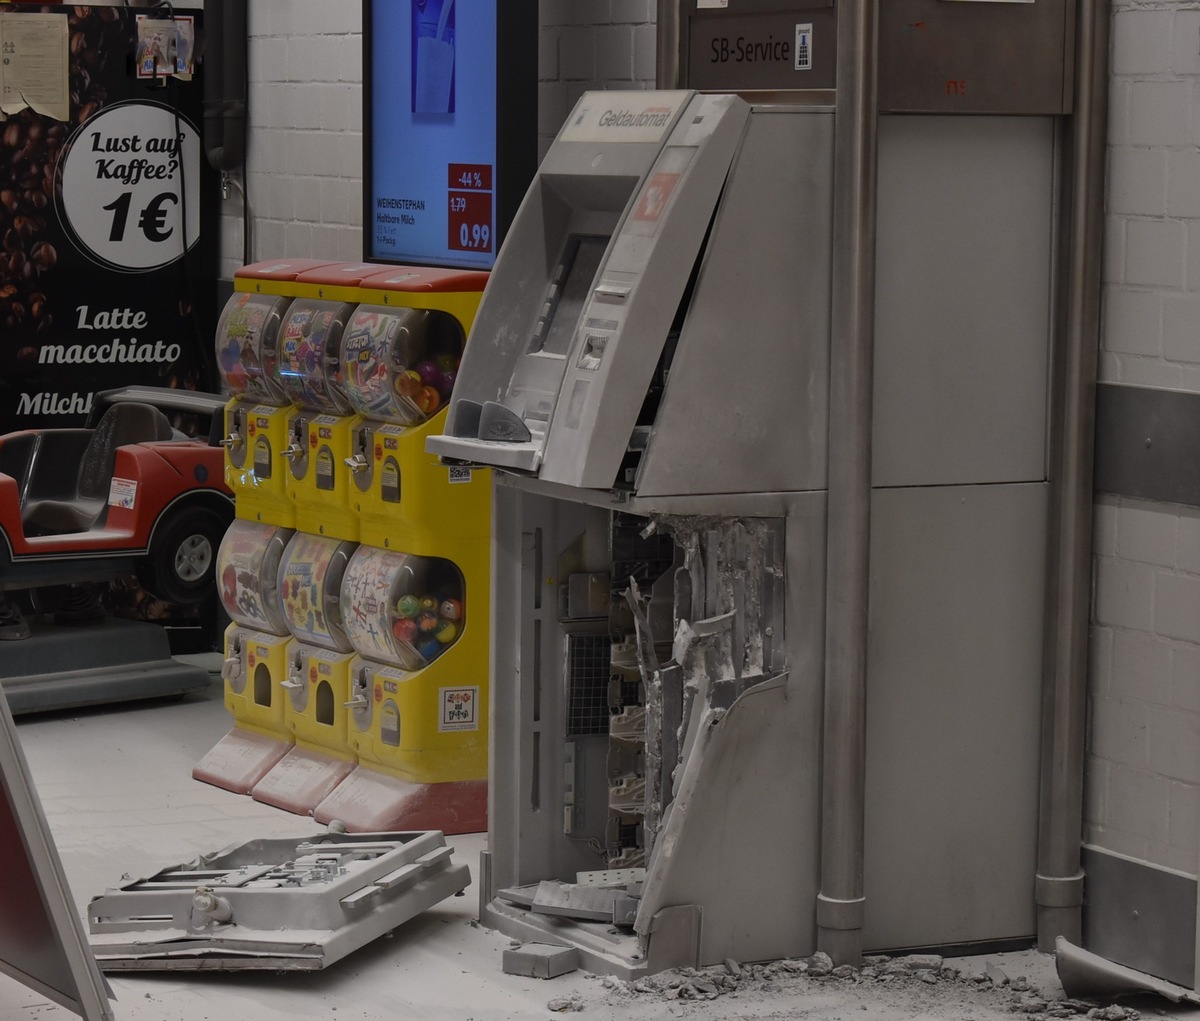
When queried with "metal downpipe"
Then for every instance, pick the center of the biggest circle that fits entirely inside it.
(225, 92)
(214, 63)
(840, 903)
(1059, 882)
(667, 67)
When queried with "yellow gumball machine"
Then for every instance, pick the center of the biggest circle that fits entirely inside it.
(419, 723)
(366, 358)
(319, 426)
(256, 415)
(399, 366)
(256, 418)
(418, 698)
(256, 657)
(317, 687)
(406, 351)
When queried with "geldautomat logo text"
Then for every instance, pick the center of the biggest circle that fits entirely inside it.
(651, 118)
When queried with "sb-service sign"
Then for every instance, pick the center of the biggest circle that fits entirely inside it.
(763, 52)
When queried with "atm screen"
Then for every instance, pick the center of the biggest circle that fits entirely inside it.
(582, 255)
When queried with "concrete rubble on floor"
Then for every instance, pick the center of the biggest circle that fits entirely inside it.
(118, 795)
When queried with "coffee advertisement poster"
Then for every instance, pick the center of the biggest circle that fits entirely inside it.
(107, 209)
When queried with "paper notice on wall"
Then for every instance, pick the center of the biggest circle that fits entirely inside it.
(33, 64)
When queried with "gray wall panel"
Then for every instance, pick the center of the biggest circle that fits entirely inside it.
(963, 299)
(953, 710)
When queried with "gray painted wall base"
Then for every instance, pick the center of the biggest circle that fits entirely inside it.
(1148, 443)
(953, 696)
(1139, 915)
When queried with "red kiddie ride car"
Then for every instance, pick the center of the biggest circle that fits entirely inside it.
(128, 493)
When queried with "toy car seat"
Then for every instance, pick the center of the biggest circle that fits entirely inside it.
(120, 425)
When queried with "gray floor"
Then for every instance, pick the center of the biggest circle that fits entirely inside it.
(115, 784)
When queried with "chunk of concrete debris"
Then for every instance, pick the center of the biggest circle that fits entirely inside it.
(695, 989)
(540, 960)
(565, 1004)
(997, 975)
(733, 967)
(911, 964)
(1113, 1012)
(820, 964)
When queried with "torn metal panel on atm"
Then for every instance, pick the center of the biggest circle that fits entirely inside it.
(555, 387)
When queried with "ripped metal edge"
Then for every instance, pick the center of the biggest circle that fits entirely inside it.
(1089, 976)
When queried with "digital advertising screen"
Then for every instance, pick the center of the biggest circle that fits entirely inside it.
(450, 133)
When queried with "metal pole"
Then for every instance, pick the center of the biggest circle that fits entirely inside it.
(840, 904)
(1059, 885)
(668, 73)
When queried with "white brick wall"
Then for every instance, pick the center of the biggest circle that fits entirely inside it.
(1143, 782)
(600, 44)
(304, 150)
(1152, 264)
(1144, 741)
(304, 159)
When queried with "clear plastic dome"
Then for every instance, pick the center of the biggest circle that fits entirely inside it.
(310, 578)
(248, 574)
(402, 609)
(245, 346)
(308, 369)
(399, 365)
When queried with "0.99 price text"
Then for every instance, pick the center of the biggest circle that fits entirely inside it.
(470, 221)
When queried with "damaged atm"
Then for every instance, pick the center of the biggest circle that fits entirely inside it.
(652, 626)
(653, 374)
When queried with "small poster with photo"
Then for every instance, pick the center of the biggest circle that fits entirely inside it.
(165, 46)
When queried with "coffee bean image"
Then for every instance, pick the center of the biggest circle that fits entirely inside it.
(30, 148)
(43, 255)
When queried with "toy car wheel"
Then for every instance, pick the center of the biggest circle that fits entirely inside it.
(183, 552)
